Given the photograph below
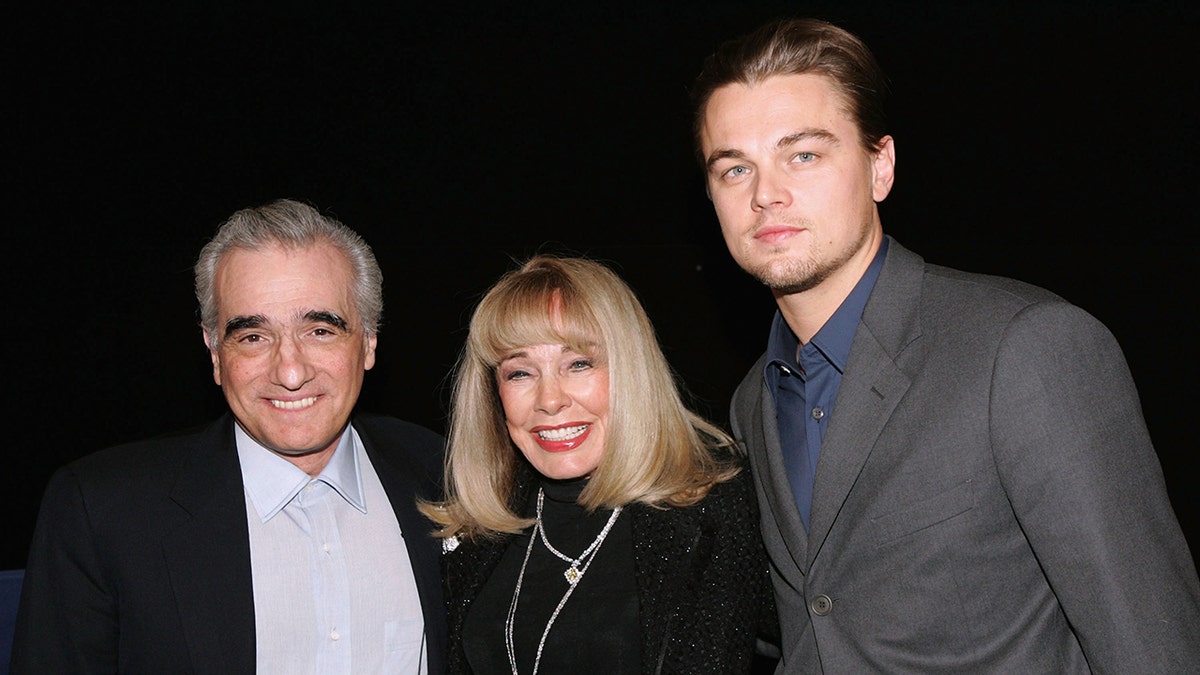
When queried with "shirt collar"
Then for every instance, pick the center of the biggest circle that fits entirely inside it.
(272, 482)
(783, 344)
(834, 338)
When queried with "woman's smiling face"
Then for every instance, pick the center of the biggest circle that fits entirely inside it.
(555, 403)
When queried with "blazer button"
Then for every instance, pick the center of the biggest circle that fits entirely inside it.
(822, 605)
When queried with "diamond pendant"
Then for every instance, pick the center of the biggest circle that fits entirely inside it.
(572, 574)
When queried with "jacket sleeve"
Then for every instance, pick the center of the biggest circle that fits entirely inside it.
(1085, 483)
(66, 620)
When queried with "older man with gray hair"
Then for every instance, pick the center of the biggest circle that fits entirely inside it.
(284, 537)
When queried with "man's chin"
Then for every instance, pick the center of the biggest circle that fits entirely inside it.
(789, 280)
(299, 445)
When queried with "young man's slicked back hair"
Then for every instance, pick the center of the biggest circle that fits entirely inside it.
(794, 47)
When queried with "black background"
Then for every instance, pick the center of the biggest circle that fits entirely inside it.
(1054, 142)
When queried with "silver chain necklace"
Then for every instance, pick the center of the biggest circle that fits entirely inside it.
(573, 574)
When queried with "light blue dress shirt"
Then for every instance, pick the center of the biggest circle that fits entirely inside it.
(334, 590)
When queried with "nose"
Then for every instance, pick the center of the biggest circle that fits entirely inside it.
(290, 369)
(770, 190)
(551, 397)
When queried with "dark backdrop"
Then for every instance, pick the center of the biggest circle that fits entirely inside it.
(1054, 142)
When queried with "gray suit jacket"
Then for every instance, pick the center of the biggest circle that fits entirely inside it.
(987, 497)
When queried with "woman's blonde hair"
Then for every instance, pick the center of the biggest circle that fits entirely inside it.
(657, 451)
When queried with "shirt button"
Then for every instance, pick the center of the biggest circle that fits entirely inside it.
(334, 635)
(325, 547)
(818, 413)
(822, 605)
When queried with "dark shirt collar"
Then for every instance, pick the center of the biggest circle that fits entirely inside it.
(834, 338)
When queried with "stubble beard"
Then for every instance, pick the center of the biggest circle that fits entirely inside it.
(785, 277)
(790, 274)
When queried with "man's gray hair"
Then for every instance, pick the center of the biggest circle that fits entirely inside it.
(291, 225)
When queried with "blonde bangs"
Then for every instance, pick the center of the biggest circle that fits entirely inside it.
(533, 310)
(657, 452)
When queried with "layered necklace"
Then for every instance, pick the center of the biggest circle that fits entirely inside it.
(573, 574)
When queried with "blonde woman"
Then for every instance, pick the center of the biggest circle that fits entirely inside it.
(592, 522)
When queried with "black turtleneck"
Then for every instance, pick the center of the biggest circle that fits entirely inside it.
(597, 629)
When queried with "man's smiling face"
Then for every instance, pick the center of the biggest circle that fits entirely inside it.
(291, 351)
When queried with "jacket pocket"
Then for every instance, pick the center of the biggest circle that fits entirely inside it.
(926, 513)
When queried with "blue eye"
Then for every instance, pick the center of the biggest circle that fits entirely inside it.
(805, 157)
(737, 171)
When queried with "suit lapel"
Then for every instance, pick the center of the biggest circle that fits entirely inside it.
(424, 551)
(783, 527)
(779, 489)
(208, 556)
(871, 387)
(870, 391)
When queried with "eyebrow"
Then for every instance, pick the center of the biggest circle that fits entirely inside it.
(790, 139)
(321, 316)
(237, 323)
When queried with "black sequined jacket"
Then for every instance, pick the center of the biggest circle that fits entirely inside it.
(701, 577)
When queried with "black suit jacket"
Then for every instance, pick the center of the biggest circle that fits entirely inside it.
(140, 561)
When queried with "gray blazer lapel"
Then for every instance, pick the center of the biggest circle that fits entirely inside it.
(753, 406)
(775, 479)
(871, 388)
(208, 556)
(869, 392)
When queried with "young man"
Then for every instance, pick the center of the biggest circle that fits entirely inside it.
(953, 470)
(285, 537)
